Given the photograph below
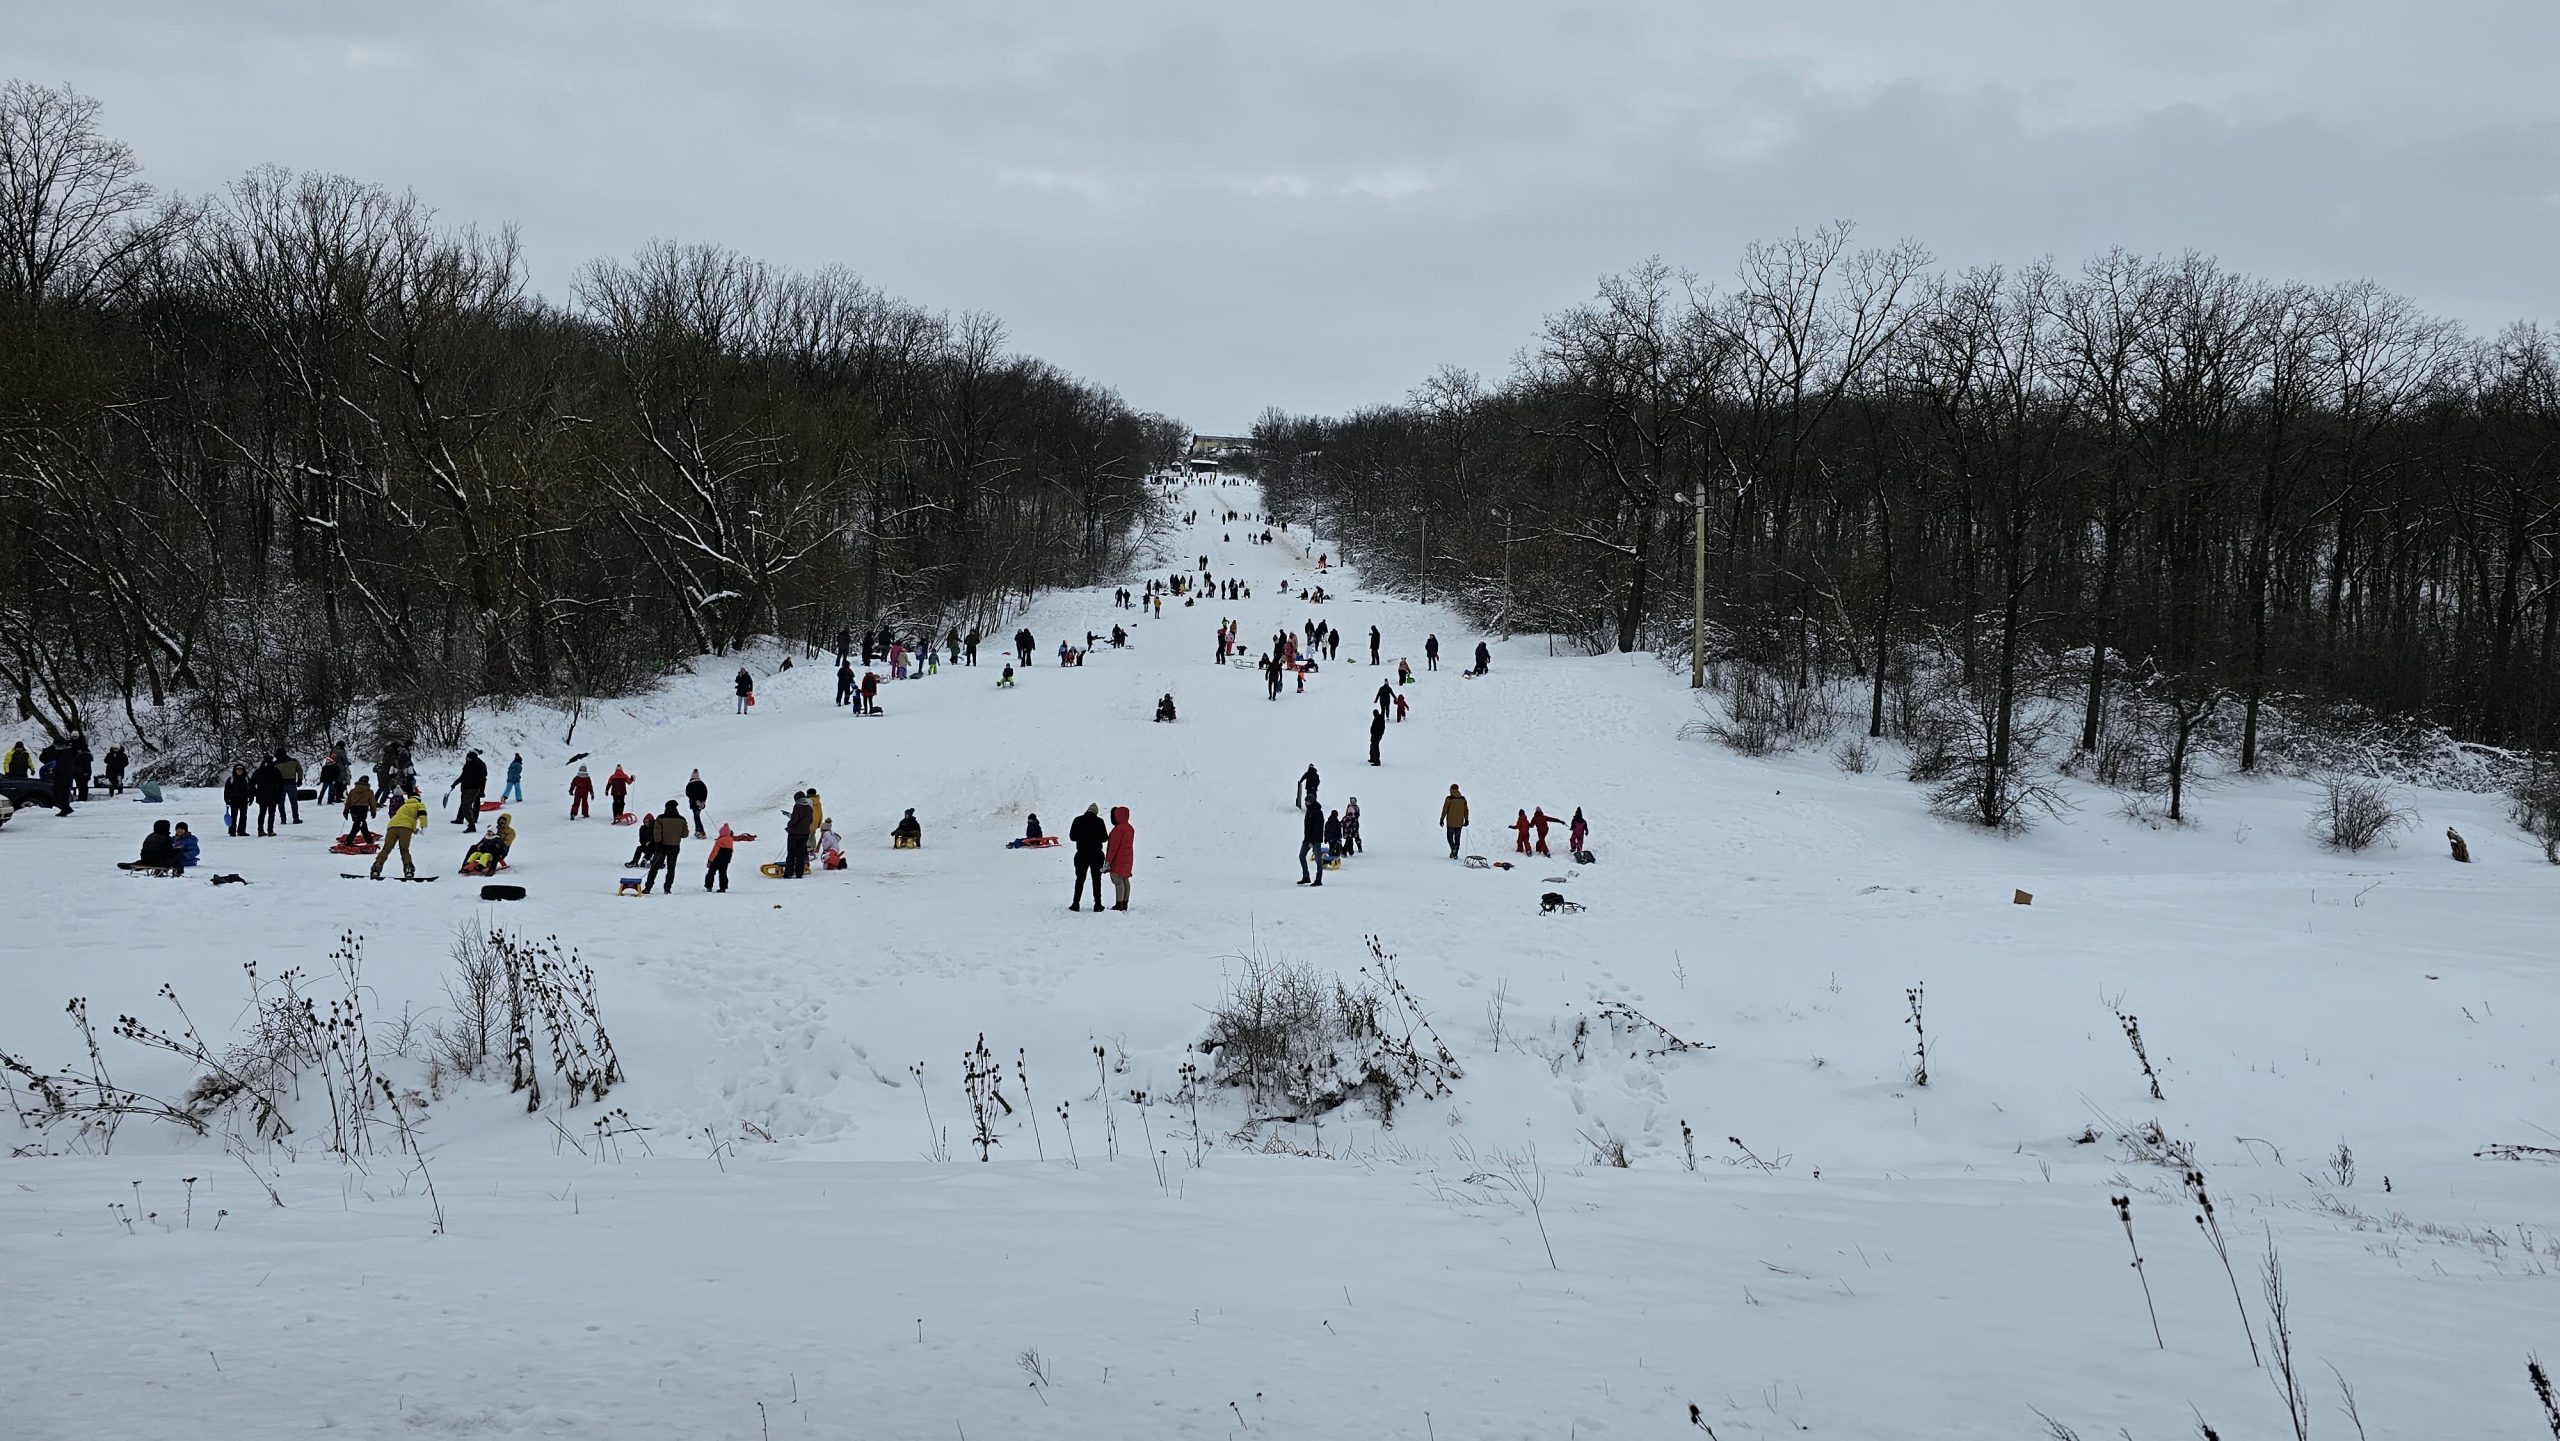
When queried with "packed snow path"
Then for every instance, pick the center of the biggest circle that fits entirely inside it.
(1852, 1255)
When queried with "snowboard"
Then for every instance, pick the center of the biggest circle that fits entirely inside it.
(364, 876)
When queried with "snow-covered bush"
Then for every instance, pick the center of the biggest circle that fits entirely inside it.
(2355, 812)
(2537, 805)
(1301, 1043)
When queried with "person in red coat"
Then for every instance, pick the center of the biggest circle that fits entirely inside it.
(618, 785)
(1520, 829)
(1542, 820)
(582, 794)
(1120, 853)
(1581, 832)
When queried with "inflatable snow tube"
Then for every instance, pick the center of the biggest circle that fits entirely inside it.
(501, 893)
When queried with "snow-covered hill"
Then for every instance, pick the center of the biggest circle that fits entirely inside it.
(758, 1241)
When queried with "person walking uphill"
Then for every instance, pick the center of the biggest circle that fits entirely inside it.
(406, 822)
(1121, 854)
(515, 779)
(473, 783)
(1377, 732)
(1311, 842)
(723, 846)
(582, 795)
(697, 795)
(746, 687)
(1453, 819)
(1305, 794)
(1092, 841)
(618, 786)
(670, 838)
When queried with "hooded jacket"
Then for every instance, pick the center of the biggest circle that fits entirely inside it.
(1453, 811)
(360, 798)
(726, 840)
(695, 792)
(1120, 852)
(1315, 821)
(619, 781)
(412, 815)
(475, 775)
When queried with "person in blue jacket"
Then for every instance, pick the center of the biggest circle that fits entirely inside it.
(190, 850)
(515, 779)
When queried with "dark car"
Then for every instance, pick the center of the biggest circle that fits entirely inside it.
(27, 794)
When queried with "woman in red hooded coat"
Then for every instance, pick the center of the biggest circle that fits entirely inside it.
(1120, 854)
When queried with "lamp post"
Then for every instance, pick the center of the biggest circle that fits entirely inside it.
(1698, 588)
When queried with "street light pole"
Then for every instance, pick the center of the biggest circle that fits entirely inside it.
(1698, 589)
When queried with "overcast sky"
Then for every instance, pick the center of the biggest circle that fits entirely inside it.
(1218, 206)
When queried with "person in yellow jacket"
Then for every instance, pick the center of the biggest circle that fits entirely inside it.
(407, 819)
(1453, 819)
(817, 814)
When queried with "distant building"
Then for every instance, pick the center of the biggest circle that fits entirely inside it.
(1208, 451)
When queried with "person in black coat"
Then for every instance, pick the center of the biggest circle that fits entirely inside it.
(266, 783)
(697, 795)
(1377, 732)
(160, 850)
(473, 783)
(1333, 833)
(844, 646)
(746, 688)
(1089, 834)
(1373, 645)
(116, 763)
(1311, 842)
(236, 796)
(1484, 659)
(1307, 783)
(82, 763)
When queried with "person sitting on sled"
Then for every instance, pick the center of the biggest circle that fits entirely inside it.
(1164, 706)
(1031, 827)
(907, 835)
(190, 850)
(1005, 681)
(159, 851)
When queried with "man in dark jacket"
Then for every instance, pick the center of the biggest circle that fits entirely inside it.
(116, 763)
(844, 683)
(1311, 842)
(1377, 732)
(971, 641)
(795, 834)
(697, 795)
(1484, 659)
(81, 764)
(159, 850)
(473, 783)
(669, 839)
(267, 784)
(291, 771)
(58, 757)
(1091, 837)
(844, 647)
(1023, 644)
(745, 685)
(1305, 794)
(1373, 645)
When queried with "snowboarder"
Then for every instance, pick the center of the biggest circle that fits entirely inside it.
(1311, 842)
(697, 795)
(582, 795)
(1120, 853)
(1377, 732)
(515, 780)
(746, 686)
(723, 846)
(409, 818)
(473, 783)
(669, 829)
(1092, 840)
(1453, 818)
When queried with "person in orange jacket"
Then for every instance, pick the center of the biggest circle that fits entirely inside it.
(1542, 820)
(723, 846)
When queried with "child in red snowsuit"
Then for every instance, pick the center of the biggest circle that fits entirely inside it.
(1580, 832)
(1542, 820)
(1520, 828)
(582, 793)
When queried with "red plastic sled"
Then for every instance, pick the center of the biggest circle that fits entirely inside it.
(627, 818)
(488, 806)
(1034, 843)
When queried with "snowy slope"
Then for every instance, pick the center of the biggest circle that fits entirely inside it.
(1899, 1260)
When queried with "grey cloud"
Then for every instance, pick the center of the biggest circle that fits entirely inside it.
(1215, 207)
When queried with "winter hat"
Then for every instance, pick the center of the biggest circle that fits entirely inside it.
(582, 770)
(1093, 810)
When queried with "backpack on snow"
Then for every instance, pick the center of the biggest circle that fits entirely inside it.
(1553, 902)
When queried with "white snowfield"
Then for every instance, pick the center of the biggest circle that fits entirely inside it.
(759, 1242)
